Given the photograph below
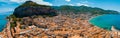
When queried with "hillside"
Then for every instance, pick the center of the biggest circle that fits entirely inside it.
(83, 9)
(30, 8)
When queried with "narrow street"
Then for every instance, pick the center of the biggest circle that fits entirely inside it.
(7, 31)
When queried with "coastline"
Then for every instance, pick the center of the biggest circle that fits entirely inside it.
(82, 25)
(100, 16)
(112, 28)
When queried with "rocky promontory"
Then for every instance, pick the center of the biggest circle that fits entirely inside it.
(30, 8)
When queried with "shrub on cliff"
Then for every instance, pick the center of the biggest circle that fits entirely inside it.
(30, 8)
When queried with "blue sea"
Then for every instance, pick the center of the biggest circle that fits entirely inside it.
(3, 19)
(106, 21)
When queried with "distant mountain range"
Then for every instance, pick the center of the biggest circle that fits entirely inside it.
(83, 9)
(30, 8)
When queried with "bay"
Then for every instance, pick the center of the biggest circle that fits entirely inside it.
(106, 21)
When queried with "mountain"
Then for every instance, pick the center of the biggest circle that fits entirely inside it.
(83, 9)
(30, 8)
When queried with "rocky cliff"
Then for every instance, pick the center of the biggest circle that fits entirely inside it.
(30, 8)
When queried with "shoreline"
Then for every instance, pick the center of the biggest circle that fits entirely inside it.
(68, 27)
(99, 16)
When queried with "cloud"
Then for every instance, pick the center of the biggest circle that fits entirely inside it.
(42, 2)
(37, 1)
(81, 4)
(84, 2)
(6, 10)
(18, 1)
(71, 4)
(68, 0)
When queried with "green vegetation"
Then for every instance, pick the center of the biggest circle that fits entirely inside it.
(83, 9)
(30, 8)
(14, 19)
(13, 24)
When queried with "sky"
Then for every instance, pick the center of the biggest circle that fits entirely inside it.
(10, 5)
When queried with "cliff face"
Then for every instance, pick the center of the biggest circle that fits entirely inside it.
(30, 8)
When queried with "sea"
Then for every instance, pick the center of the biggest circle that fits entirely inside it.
(106, 21)
(3, 20)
